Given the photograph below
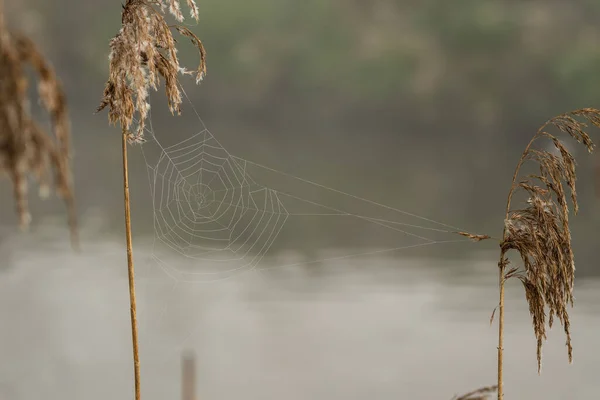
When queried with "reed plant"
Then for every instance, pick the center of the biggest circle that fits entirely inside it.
(538, 230)
(143, 51)
(25, 148)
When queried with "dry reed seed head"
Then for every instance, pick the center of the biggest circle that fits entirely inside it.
(143, 51)
(24, 147)
(193, 9)
(566, 123)
(175, 8)
(201, 70)
(50, 92)
(483, 393)
(540, 232)
(473, 237)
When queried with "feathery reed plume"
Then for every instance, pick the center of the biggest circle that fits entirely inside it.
(479, 394)
(540, 231)
(24, 147)
(143, 51)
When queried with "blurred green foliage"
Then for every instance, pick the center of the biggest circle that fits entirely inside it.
(384, 50)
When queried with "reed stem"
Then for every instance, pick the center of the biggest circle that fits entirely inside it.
(130, 270)
(501, 331)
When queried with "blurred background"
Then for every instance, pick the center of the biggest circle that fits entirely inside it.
(424, 106)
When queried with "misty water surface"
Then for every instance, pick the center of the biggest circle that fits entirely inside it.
(404, 328)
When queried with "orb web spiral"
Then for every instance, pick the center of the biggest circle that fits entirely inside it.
(209, 209)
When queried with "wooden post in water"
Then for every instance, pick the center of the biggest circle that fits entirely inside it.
(188, 376)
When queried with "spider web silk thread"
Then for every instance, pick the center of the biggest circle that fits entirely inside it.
(192, 158)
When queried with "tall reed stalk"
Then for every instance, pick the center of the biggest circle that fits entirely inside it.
(130, 270)
(142, 52)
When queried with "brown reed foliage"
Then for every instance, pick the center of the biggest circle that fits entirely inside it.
(25, 148)
(540, 231)
(479, 394)
(143, 51)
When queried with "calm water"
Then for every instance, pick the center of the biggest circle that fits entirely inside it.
(353, 329)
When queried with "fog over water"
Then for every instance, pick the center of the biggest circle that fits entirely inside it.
(370, 327)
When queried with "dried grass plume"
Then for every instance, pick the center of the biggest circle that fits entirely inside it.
(474, 237)
(480, 394)
(142, 51)
(25, 148)
(539, 231)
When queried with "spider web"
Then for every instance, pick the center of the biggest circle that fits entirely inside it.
(209, 210)
(213, 219)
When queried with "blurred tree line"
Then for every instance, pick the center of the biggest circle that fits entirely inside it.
(375, 97)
